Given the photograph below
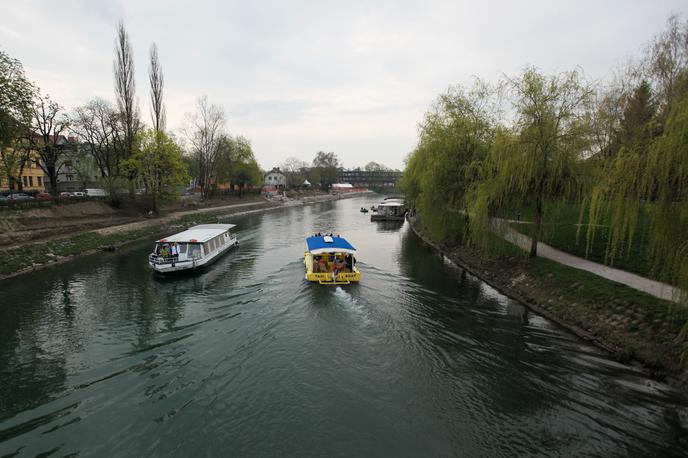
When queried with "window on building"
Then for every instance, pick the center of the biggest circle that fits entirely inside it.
(26, 181)
(70, 177)
(30, 181)
(39, 180)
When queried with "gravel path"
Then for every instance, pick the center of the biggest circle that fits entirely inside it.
(653, 287)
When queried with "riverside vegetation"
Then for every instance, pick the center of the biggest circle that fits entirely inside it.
(112, 142)
(600, 171)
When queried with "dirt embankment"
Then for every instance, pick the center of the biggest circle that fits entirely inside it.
(18, 227)
(631, 325)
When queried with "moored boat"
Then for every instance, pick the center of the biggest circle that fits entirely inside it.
(330, 260)
(390, 209)
(193, 248)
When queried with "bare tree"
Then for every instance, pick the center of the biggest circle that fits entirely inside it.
(294, 169)
(46, 137)
(203, 131)
(125, 88)
(97, 126)
(667, 57)
(156, 86)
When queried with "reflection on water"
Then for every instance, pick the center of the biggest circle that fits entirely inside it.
(388, 226)
(101, 357)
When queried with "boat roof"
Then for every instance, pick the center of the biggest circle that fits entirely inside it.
(198, 234)
(319, 244)
(391, 203)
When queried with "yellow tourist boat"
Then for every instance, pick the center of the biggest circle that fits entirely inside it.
(330, 260)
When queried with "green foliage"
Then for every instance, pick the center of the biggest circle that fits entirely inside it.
(665, 183)
(535, 161)
(454, 140)
(326, 167)
(157, 162)
(638, 124)
(16, 98)
(375, 167)
(236, 162)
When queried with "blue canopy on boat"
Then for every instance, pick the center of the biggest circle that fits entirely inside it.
(319, 244)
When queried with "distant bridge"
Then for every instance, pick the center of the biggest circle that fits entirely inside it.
(371, 180)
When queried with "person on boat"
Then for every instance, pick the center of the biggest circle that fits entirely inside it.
(337, 266)
(174, 250)
(322, 264)
(165, 251)
(349, 262)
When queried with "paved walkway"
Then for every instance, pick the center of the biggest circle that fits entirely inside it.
(655, 288)
(173, 216)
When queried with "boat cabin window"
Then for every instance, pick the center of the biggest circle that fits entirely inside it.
(195, 250)
(181, 247)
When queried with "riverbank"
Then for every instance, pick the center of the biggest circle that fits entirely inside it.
(632, 326)
(35, 256)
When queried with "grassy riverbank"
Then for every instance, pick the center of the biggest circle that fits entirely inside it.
(631, 325)
(565, 230)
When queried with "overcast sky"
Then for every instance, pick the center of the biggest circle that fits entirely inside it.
(297, 77)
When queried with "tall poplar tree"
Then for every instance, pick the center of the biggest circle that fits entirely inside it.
(125, 90)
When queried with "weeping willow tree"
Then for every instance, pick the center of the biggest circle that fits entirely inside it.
(665, 184)
(534, 162)
(454, 137)
(616, 197)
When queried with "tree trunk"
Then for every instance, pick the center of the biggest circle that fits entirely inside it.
(536, 233)
(52, 176)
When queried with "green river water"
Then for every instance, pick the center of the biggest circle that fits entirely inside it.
(99, 357)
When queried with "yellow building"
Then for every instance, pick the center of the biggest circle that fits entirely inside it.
(32, 176)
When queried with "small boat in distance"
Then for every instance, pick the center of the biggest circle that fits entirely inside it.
(196, 247)
(330, 260)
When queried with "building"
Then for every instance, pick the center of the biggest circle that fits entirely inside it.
(364, 179)
(275, 178)
(31, 177)
(77, 170)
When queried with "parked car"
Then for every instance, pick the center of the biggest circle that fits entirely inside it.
(96, 192)
(43, 196)
(2, 197)
(65, 195)
(19, 196)
(79, 194)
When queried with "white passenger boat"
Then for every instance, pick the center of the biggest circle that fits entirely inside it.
(196, 247)
(390, 209)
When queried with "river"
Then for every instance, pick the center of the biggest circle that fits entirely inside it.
(99, 357)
